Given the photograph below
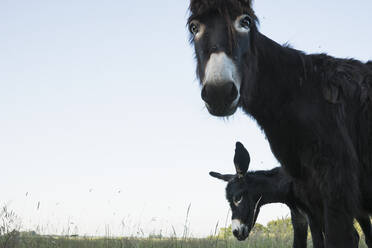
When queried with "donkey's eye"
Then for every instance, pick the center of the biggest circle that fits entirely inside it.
(245, 22)
(238, 199)
(194, 28)
(242, 23)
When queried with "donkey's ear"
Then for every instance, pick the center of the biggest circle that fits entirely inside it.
(241, 159)
(225, 178)
(246, 2)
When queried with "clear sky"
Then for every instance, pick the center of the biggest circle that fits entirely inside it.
(101, 117)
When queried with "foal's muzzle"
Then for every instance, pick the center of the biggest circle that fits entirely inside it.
(240, 231)
(221, 99)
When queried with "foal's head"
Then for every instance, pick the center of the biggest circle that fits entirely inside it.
(222, 32)
(242, 195)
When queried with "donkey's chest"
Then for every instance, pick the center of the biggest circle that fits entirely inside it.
(308, 199)
(289, 141)
(294, 130)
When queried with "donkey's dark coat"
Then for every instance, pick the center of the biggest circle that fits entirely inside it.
(275, 186)
(316, 111)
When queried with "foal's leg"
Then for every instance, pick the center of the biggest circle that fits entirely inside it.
(365, 224)
(300, 227)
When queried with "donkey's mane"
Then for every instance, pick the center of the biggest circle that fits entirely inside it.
(264, 179)
(265, 173)
(223, 7)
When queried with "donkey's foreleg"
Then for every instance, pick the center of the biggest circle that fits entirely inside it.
(337, 172)
(339, 229)
(316, 232)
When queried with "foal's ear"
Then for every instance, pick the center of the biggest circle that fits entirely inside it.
(225, 178)
(241, 159)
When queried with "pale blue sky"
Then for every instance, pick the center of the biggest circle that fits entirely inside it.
(101, 96)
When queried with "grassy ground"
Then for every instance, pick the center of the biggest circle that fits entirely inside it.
(62, 242)
(278, 234)
(256, 240)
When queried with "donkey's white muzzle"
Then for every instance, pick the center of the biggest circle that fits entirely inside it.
(221, 85)
(240, 230)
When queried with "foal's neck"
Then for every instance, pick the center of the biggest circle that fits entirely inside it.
(273, 186)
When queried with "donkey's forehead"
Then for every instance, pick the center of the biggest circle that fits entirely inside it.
(205, 5)
(235, 186)
(233, 8)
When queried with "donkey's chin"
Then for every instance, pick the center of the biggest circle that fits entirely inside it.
(241, 238)
(242, 232)
(222, 111)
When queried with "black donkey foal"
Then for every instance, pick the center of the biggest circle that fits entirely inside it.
(247, 192)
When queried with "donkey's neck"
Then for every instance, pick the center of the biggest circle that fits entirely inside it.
(279, 70)
(277, 92)
(272, 186)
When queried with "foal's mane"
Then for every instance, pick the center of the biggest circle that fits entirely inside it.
(266, 173)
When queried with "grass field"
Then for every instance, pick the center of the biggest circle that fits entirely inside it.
(256, 240)
(278, 234)
(24, 241)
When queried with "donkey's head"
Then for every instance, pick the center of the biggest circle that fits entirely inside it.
(242, 194)
(222, 32)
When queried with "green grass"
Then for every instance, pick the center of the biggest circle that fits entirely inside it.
(276, 234)
(256, 240)
(24, 241)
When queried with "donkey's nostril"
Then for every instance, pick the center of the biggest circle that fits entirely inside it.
(236, 233)
(214, 49)
(220, 96)
(204, 93)
(233, 93)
